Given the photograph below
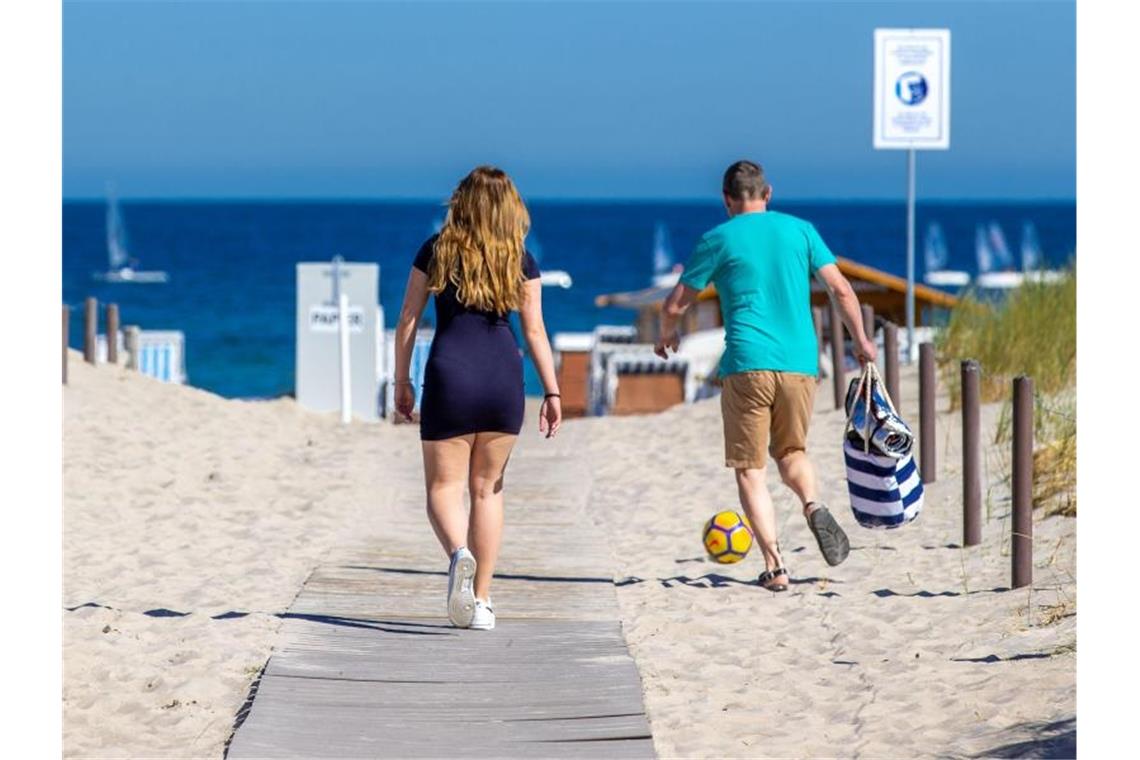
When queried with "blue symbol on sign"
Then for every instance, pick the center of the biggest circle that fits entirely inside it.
(911, 88)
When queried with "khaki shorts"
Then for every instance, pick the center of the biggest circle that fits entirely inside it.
(765, 412)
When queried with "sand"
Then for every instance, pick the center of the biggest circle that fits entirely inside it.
(913, 647)
(191, 522)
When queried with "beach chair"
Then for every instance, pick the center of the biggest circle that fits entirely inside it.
(572, 357)
(640, 382)
(162, 354)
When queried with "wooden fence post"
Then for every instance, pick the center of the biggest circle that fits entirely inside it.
(926, 391)
(891, 362)
(66, 317)
(838, 374)
(90, 326)
(971, 454)
(131, 343)
(869, 321)
(112, 333)
(1022, 535)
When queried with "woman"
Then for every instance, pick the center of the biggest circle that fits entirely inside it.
(472, 406)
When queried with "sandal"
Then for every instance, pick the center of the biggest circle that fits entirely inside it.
(833, 543)
(768, 578)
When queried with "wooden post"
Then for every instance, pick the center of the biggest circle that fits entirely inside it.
(66, 316)
(838, 375)
(1022, 536)
(891, 362)
(971, 454)
(112, 333)
(131, 341)
(926, 390)
(869, 321)
(90, 326)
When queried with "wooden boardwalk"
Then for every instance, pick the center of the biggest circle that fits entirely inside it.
(370, 667)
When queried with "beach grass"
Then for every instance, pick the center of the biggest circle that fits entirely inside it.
(1033, 332)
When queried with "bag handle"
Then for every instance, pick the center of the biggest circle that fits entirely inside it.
(867, 380)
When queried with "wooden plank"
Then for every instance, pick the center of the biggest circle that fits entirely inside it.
(369, 666)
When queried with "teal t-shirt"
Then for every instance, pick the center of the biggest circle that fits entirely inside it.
(761, 264)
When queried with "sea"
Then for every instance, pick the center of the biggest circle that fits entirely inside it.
(232, 274)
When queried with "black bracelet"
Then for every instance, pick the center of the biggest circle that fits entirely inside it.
(553, 395)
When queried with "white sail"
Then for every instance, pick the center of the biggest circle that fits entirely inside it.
(1003, 257)
(936, 252)
(117, 256)
(1031, 257)
(662, 249)
(120, 266)
(937, 256)
(982, 248)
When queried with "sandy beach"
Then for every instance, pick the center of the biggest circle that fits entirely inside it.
(191, 522)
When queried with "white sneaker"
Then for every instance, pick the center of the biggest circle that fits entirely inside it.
(484, 617)
(460, 588)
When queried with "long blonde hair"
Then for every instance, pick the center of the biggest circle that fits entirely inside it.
(480, 246)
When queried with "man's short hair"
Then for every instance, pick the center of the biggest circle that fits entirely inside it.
(744, 180)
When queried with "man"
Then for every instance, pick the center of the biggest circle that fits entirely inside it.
(761, 263)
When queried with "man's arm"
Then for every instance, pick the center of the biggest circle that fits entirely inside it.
(848, 304)
(678, 302)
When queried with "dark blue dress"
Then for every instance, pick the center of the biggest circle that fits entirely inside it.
(473, 380)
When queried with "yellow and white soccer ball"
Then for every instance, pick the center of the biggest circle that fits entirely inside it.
(727, 537)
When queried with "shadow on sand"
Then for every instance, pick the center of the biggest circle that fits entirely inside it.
(1050, 740)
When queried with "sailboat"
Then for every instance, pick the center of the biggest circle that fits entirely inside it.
(937, 256)
(120, 265)
(665, 272)
(995, 262)
(1032, 262)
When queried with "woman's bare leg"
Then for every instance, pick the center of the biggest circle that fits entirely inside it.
(489, 457)
(445, 472)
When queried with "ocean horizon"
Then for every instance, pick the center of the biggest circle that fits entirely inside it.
(231, 262)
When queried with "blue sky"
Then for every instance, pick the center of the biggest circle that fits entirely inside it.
(575, 99)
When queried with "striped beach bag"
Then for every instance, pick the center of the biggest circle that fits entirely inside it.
(882, 478)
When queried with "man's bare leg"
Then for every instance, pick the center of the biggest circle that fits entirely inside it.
(752, 485)
(798, 474)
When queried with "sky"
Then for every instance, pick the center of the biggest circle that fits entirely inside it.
(576, 100)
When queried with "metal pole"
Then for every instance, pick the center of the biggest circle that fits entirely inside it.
(891, 350)
(1022, 538)
(66, 316)
(971, 454)
(345, 363)
(90, 325)
(838, 375)
(817, 323)
(926, 390)
(112, 333)
(910, 344)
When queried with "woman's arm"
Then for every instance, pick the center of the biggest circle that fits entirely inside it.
(415, 298)
(534, 333)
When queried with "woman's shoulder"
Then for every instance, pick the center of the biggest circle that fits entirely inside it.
(425, 254)
(530, 265)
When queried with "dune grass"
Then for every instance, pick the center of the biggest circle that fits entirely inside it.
(1033, 332)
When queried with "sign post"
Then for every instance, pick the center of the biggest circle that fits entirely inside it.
(911, 112)
(338, 338)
